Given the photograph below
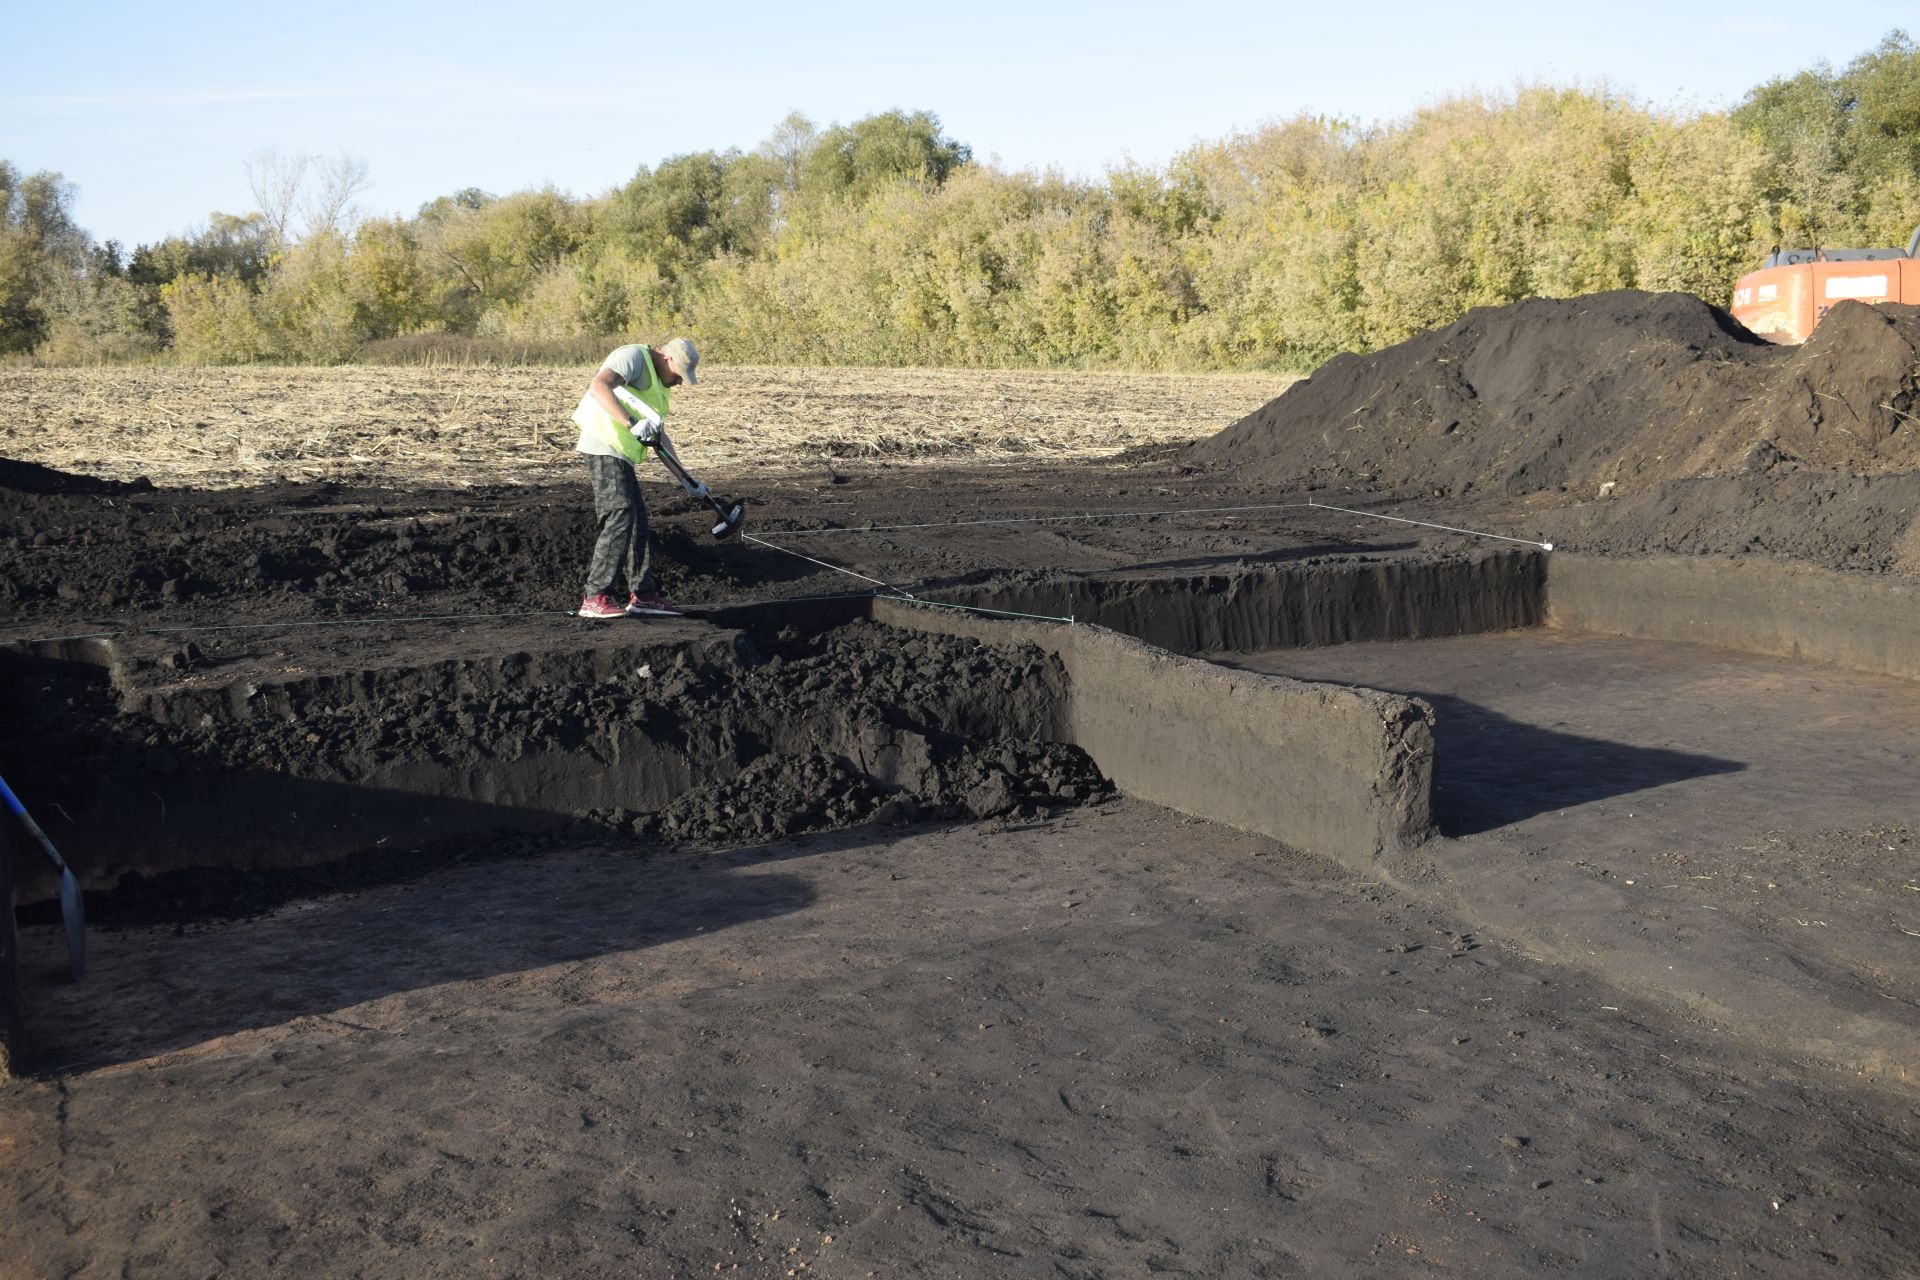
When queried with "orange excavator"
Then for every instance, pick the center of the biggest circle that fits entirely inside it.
(1795, 288)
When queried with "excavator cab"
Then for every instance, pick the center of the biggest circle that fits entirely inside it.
(1795, 288)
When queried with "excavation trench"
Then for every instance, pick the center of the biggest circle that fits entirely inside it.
(169, 760)
(222, 773)
(1688, 775)
(266, 751)
(271, 752)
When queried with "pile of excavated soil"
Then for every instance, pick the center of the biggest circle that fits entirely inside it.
(1577, 392)
(31, 478)
(1715, 440)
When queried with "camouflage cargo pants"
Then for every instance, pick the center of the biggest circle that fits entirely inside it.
(622, 545)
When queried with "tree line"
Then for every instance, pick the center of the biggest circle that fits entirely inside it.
(885, 242)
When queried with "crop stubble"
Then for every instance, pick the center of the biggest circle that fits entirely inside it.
(216, 427)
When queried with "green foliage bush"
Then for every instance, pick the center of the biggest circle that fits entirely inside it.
(39, 247)
(100, 316)
(217, 320)
(883, 242)
(1844, 148)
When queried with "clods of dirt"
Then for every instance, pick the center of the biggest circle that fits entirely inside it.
(1690, 433)
(782, 795)
(719, 744)
(1582, 391)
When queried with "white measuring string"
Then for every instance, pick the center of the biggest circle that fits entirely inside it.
(884, 586)
(898, 592)
(998, 613)
(1098, 515)
(1474, 533)
(1121, 515)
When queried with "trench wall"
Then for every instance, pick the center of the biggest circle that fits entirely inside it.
(1291, 606)
(1785, 610)
(187, 815)
(169, 813)
(11, 1044)
(1342, 772)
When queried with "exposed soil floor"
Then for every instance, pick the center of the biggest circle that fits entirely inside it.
(1676, 816)
(1111, 1044)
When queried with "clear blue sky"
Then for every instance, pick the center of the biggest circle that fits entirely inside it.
(152, 109)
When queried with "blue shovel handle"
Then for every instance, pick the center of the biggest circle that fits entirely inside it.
(26, 819)
(72, 908)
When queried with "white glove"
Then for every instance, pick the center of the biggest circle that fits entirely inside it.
(649, 423)
(699, 489)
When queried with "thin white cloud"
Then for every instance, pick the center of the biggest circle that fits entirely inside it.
(513, 95)
(197, 98)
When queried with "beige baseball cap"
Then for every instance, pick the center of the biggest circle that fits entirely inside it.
(685, 358)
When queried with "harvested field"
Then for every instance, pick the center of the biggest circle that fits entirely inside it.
(463, 425)
(441, 932)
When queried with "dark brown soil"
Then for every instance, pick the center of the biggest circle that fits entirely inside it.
(1117, 1043)
(299, 590)
(1685, 812)
(775, 744)
(1676, 428)
(85, 560)
(1575, 392)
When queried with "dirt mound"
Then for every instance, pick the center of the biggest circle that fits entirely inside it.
(1863, 523)
(1848, 399)
(1626, 388)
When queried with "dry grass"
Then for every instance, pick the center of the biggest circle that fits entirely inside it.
(213, 427)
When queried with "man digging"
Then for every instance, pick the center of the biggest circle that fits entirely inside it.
(614, 439)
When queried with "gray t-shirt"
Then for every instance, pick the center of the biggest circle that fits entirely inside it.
(630, 362)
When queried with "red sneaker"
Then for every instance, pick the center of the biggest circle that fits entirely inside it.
(653, 606)
(601, 606)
